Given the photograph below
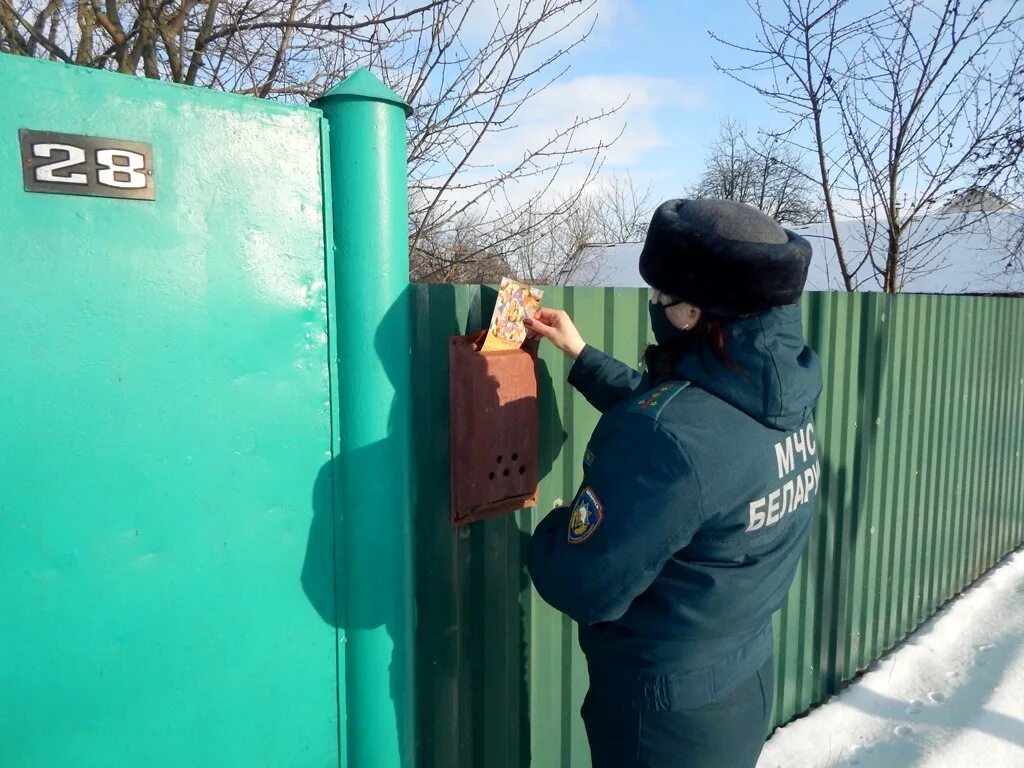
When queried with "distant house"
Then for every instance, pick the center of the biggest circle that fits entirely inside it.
(610, 266)
(972, 260)
(975, 200)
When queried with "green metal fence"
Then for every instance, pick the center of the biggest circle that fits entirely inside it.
(922, 425)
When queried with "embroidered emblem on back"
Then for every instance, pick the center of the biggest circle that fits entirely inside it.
(586, 516)
(655, 401)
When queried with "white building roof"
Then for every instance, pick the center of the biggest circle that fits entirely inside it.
(970, 261)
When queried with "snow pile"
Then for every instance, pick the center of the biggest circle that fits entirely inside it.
(952, 696)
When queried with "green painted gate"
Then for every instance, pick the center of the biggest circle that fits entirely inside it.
(166, 412)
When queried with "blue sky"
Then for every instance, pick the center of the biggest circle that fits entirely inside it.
(660, 52)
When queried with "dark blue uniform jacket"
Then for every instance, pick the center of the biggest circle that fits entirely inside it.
(695, 505)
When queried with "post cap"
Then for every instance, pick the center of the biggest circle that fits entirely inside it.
(362, 84)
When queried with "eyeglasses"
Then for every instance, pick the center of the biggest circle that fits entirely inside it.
(660, 297)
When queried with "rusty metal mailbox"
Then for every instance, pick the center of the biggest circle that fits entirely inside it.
(494, 429)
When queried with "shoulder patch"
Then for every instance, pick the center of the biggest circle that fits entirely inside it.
(586, 515)
(654, 401)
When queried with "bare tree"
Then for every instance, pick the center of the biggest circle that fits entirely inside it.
(768, 174)
(928, 90)
(1000, 167)
(620, 210)
(469, 67)
(790, 63)
(554, 252)
(612, 212)
(549, 243)
(897, 102)
(464, 251)
(269, 48)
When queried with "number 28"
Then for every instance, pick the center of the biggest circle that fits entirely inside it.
(119, 168)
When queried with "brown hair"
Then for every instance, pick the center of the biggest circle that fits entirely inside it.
(709, 333)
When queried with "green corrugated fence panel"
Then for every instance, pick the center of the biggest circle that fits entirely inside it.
(166, 412)
(922, 433)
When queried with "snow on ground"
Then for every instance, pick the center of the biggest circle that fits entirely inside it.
(952, 696)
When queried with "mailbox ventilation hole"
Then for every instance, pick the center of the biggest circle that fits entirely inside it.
(499, 459)
(505, 473)
(490, 476)
(515, 456)
(522, 470)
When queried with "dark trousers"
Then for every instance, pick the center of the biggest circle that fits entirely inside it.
(727, 732)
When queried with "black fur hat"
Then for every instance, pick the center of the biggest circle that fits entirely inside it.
(724, 257)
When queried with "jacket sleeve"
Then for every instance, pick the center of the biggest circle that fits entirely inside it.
(640, 502)
(603, 380)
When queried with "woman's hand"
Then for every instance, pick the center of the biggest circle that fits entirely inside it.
(556, 326)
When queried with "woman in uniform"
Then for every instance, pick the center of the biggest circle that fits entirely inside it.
(699, 485)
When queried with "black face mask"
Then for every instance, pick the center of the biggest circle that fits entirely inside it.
(664, 331)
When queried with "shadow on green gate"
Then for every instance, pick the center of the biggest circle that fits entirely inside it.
(381, 545)
(470, 584)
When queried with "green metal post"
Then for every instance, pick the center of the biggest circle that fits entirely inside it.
(368, 186)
